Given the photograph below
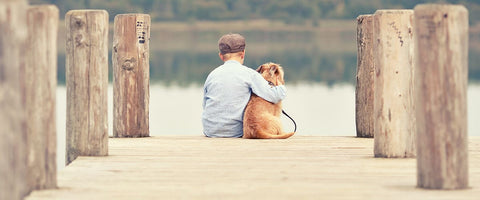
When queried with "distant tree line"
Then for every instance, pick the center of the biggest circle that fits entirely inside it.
(290, 11)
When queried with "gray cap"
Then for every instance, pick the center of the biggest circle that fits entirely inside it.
(231, 43)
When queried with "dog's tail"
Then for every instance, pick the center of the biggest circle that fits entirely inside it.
(265, 135)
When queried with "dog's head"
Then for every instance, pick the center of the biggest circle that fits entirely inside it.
(272, 72)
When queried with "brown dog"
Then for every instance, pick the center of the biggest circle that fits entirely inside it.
(262, 118)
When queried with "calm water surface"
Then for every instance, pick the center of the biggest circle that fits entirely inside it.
(318, 109)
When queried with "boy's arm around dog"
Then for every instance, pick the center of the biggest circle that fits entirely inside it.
(261, 88)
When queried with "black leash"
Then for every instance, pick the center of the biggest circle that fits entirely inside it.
(290, 119)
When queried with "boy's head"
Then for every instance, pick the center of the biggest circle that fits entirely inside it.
(231, 45)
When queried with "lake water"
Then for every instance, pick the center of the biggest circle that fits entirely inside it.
(318, 109)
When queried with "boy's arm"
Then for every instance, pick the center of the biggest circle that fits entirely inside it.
(261, 88)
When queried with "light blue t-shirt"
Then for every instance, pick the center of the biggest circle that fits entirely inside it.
(226, 94)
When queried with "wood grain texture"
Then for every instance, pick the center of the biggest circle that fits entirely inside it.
(441, 96)
(131, 75)
(40, 95)
(197, 167)
(13, 149)
(394, 84)
(87, 83)
(364, 96)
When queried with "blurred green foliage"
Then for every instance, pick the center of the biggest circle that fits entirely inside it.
(170, 65)
(289, 11)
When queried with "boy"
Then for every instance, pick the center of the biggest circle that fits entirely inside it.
(228, 88)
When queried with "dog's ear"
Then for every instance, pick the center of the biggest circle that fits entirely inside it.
(260, 69)
(273, 69)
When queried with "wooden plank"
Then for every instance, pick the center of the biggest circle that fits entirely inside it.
(196, 167)
(131, 76)
(394, 109)
(13, 149)
(364, 96)
(87, 83)
(40, 95)
(441, 96)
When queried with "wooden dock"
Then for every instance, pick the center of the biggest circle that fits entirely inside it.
(196, 167)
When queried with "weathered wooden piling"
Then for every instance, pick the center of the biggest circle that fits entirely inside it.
(40, 81)
(364, 116)
(87, 83)
(13, 149)
(441, 96)
(394, 132)
(131, 75)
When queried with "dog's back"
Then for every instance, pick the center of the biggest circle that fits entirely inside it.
(262, 118)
